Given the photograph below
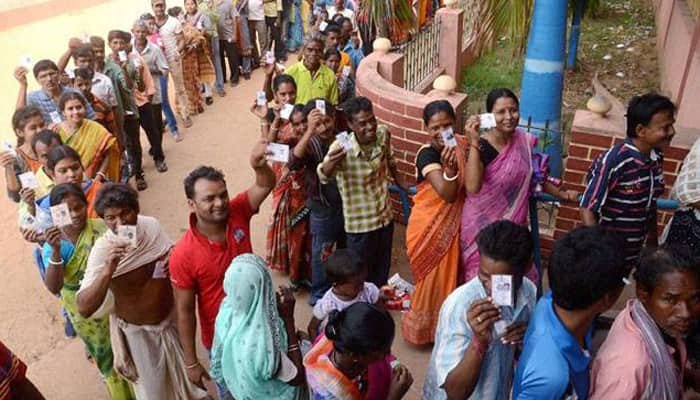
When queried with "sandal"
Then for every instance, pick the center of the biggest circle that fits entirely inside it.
(161, 166)
(188, 122)
(141, 184)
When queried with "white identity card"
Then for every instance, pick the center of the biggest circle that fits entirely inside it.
(70, 72)
(269, 58)
(286, 111)
(161, 270)
(487, 121)
(261, 99)
(321, 106)
(448, 137)
(346, 71)
(502, 290)
(26, 62)
(280, 67)
(28, 180)
(27, 221)
(127, 235)
(55, 117)
(345, 140)
(60, 215)
(500, 327)
(122, 56)
(323, 26)
(8, 148)
(280, 152)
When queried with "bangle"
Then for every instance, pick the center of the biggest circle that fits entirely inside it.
(449, 179)
(192, 366)
(102, 174)
(59, 262)
(292, 348)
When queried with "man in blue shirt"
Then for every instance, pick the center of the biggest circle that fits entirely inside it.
(586, 276)
(45, 99)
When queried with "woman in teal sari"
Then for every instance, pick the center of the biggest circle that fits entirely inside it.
(256, 350)
(65, 252)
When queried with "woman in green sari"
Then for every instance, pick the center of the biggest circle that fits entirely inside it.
(65, 254)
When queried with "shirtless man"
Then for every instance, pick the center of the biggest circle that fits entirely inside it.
(129, 279)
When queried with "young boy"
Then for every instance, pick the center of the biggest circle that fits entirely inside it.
(363, 174)
(624, 182)
(471, 359)
(586, 276)
(323, 200)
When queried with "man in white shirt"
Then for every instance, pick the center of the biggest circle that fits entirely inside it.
(170, 31)
(258, 29)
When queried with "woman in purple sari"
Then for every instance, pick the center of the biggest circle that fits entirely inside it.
(498, 177)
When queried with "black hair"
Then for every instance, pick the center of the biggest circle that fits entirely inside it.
(202, 172)
(343, 20)
(60, 153)
(46, 136)
(343, 265)
(84, 73)
(126, 36)
(332, 27)
(282, 79)
(585, 265)
(337, 18)
(356, 105)
(43, 65)
(438, 106)
(360, 329)
(298, 108)
(174, 11)
(147, 17)
(641, 109)
(496, 94)
(311, 105)
(662, 260)
(331, 52)
(21, 118)
(508, 242)
(116, 195)
(68, 96)
(114, 34)
(84, 50)
(97, 41)
(63, 190)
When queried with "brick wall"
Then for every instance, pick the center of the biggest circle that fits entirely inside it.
(379, 78)
(591, 136)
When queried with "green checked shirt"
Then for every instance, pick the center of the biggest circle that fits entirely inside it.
(363, 182)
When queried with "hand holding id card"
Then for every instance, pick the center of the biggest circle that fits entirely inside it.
(448, 137)
(487, 121)
(261, 99)
(127, 235)
(321, 106)
(345, 141)
(286, 111)
(502, 290)
(280, 152)
(60, 215)
(28, 180)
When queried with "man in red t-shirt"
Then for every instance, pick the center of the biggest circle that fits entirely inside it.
(219, 231)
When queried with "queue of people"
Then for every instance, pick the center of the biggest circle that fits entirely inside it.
(136, 298)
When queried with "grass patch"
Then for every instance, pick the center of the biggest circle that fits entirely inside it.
(497, 68)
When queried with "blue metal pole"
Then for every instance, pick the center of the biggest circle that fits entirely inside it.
(575, 34)
(543, 76)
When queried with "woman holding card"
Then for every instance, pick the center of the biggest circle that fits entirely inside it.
(26, 123)
(432, 234)
(498, 176)
(98, 148)
(65, 252)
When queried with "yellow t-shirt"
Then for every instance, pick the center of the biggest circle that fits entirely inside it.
(323, 84)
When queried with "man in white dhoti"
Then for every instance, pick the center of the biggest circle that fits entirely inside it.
(127, 277)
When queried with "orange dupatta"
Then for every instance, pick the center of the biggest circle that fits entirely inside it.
(324, 378)
(434, 223)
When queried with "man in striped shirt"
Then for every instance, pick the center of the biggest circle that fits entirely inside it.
(624, 182)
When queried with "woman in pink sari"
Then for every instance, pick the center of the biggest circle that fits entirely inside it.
(498, 177)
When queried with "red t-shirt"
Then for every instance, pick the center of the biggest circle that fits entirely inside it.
(200, 265)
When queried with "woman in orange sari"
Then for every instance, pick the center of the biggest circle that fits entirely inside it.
(432, 234)
(98, 148)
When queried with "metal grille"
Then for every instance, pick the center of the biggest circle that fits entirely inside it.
(420, 55)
